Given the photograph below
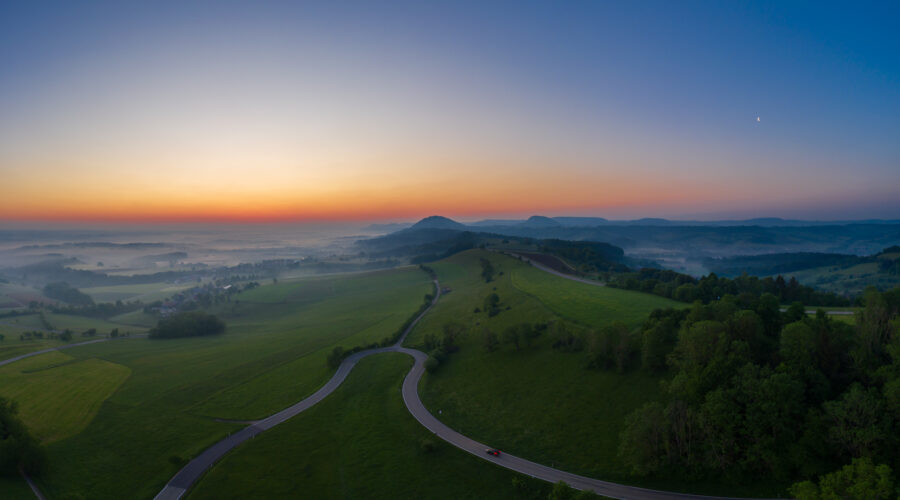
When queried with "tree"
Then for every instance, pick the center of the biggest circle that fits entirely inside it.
(187, 324)
(18, 448)
(654, 348)
(561, 491)
(860, 480)
(336, 357)
(511, 335)
(491, 342)
(451, 331)
(491, 304)
(431, 364)
(642, 443)
(530, 332)
(873, 331)
(487, 270)
(431, 341)
(794, 313)
(858, 423)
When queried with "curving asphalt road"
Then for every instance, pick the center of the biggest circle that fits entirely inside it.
(188, 475)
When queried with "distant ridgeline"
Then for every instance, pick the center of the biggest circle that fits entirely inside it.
(778, 263)
(424, 243)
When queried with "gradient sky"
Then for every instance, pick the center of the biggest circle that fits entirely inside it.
(246, 111)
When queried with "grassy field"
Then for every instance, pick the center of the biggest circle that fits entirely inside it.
(586, 304)
(540, 403)
(15, 488)
(360, 442)
(145, 292)
(58, 395)
(11, 346)
(272, 355)
(79, 324)
(135, 318)
(12, 327)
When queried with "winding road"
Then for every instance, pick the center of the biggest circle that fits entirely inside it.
(191, 472)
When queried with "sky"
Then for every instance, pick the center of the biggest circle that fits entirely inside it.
(322, 111)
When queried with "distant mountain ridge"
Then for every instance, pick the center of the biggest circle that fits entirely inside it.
(438, 222)
(656, 221)
(646, 238)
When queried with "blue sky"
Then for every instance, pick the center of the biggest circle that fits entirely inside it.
(355, 108)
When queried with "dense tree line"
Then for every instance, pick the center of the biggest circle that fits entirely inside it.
(18, 448)
(588, 256)
(709, 288)
(759, 393)
(187, 324)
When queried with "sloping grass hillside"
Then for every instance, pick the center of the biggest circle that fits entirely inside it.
(538, 402)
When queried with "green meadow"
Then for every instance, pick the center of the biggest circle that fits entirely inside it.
(15, 488)
(12, 327)
(58, 395)
(360, 442)
(145, 292)
(272, 355)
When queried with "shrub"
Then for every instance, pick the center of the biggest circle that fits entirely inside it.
(432, 364)
(337, 355)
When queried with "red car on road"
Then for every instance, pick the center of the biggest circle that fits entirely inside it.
(493, 451)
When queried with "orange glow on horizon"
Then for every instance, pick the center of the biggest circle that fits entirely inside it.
(454, 197)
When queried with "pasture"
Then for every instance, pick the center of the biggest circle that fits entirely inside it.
(360, 442)
(57, 394)
(271, 355)
(145, 292)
